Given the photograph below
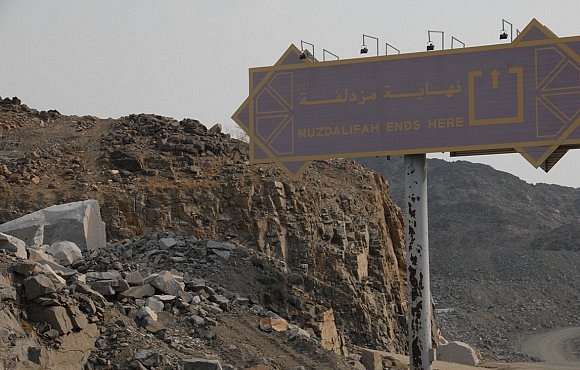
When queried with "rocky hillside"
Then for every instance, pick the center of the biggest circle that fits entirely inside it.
(336, 236)
(504, 253)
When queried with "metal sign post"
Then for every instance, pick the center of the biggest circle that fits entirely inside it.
(418, 282)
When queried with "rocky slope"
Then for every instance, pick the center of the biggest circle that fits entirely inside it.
(504, 253)
(335, 236)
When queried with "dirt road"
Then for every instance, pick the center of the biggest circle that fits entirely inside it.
(556, 347)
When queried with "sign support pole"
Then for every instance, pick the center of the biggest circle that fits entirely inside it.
(418, 282)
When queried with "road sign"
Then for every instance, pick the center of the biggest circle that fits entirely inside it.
(520, 97)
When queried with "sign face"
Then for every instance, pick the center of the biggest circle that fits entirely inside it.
(523, 96)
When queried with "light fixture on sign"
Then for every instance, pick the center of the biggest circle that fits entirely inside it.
(364, 49)
(430, 45)
(503, 35)
(324, 52)
(305, 52)
(453, 38)
(387, 46)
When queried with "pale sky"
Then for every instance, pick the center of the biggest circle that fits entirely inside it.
(111, 58)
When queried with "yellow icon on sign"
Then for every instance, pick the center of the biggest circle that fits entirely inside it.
(495, 83)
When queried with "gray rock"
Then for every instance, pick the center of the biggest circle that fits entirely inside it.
(13, 245)
(32, 236)
(56, 268)
(39, 285)
(148, 358)
(165, 282)
(77, 318)
(51, 334)
(164, 297)
(26, 268)
(136, 365)
(56, 316)
(222, 301)
(154, 304)
(215, 129)
(134, 278)
(197, 320)
(65, 252)
(166, 243)
(196, 284)
(84, 288)
(38, 254)
(104, 287)
(371, 359)
(212, 244)
(140, 291)
(222, 253)
(7, 291)
(106, 275)
(79, 222)
(146, 312)
(121, 286)
(201, 364)
(457, 352)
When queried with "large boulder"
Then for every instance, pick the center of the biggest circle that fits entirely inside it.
(78, 222)
(457, 352)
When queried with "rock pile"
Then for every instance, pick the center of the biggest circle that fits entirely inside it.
(300, 249)
(122, 306)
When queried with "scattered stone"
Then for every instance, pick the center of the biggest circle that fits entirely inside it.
(166, 243)
(65, 252)
(201, 364)
(165, 282)
(56, 316)
(26, 268)
(148, 358)
(140, 291)
(104, 287)
(154, 304)
(134, 278)
(37, 254)
(146, 312)
(222, 253)
(215, 129)
(222, 301)
(107, 275)
(13, 245)
(39, 285)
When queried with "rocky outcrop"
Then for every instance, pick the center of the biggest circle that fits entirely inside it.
(335, 235)
(337, 240)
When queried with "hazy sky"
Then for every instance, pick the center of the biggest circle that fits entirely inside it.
(110, 58)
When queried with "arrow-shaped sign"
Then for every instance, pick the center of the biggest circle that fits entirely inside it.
(299, 110)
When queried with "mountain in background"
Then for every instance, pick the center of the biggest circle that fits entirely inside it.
(504, 253)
